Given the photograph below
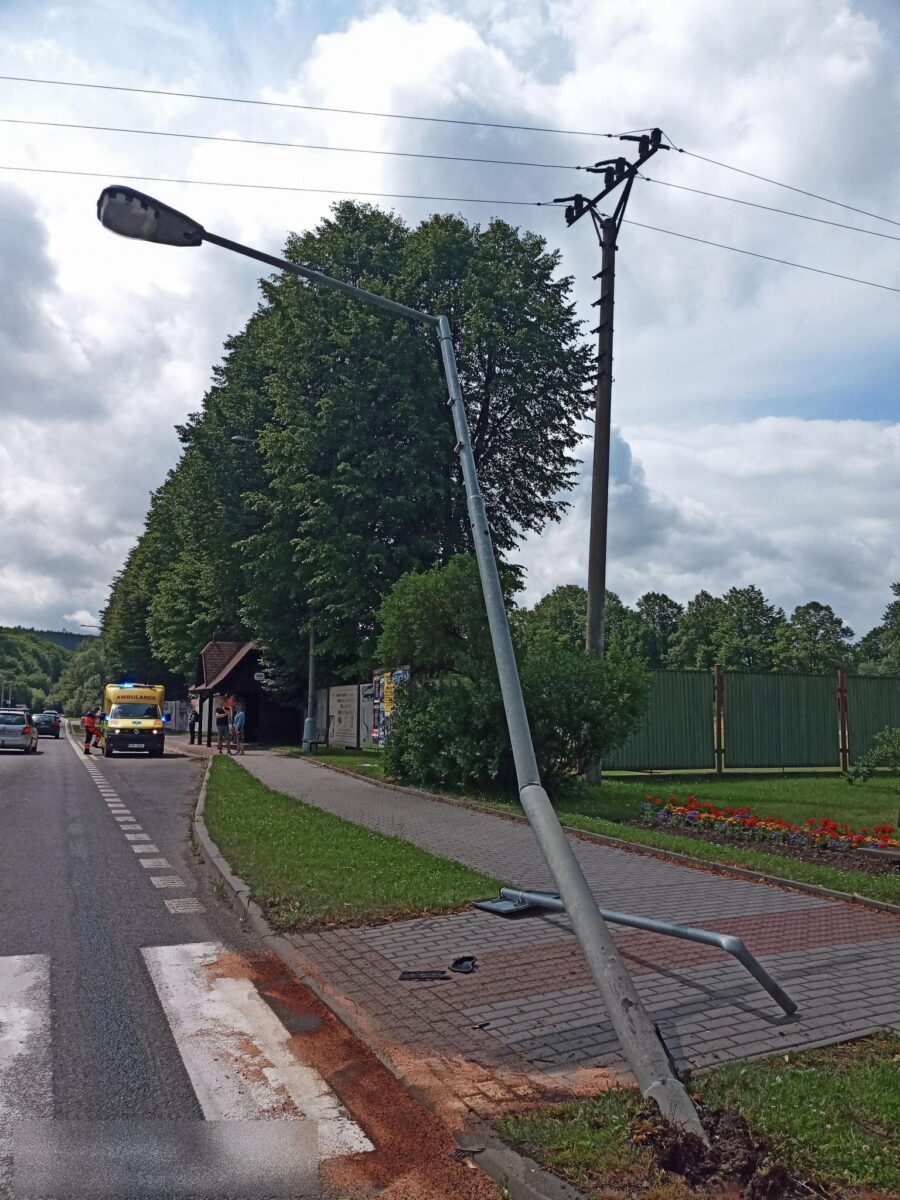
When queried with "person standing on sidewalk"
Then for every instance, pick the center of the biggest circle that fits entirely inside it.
(239, 723)
(222, 728)
(194, 730)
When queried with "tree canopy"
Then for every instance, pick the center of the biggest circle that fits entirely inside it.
(350, 478)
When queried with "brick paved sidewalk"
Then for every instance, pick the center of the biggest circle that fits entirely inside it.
(529, 1021)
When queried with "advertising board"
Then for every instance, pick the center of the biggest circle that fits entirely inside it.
(343, 716)
(384, 689)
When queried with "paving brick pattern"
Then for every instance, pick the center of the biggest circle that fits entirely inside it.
(529, 1019)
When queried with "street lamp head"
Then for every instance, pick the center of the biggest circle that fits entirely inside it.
(242, 441)
(132, 214)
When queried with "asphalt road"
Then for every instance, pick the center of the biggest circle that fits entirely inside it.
(78, 906)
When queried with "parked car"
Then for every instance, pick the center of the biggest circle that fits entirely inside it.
(47, 723)
(18, 730)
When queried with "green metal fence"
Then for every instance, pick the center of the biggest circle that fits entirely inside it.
(677, 732)
(781, 721)
(873, 703)
(769, 721)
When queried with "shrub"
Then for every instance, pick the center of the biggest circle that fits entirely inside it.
(449, 731)
(449, 726)
(579, 708)
(884, 753)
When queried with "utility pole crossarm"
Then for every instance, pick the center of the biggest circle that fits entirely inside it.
(615, 171)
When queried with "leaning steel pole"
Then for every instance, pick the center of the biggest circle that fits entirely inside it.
(634, 1029)
(637, 1036)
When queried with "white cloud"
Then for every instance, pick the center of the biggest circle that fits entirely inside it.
(805, 509)
(735, 378)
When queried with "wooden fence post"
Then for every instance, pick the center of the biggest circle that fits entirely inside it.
(843, 725)
(719, 691)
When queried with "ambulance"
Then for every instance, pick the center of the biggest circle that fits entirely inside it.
(133, 718)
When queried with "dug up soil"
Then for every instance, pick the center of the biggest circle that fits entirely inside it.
(737, 1165)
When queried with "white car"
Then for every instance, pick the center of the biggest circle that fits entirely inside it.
(18, 730)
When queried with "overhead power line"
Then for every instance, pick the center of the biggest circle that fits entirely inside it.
(863, 212)
(242, 141)
(273, 187)
(278, 187)
(768, 257)
(349, 112)
(359, 112)
(892, 237)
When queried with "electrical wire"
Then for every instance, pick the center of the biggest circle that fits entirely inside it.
(357, 112)
(350, 112)
(279, 187)
(892, 237)
(863, 212)
(270, 187)
(884, 287)
(241, 141)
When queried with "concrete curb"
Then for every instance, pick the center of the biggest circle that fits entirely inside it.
(588, 835)
(522, 1178)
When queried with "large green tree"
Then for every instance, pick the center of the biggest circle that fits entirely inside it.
(89, 669)
(363, 477)
(738, 631)
(660, 614)
(878, 653)
(693, 645)
(815, 641)
(561, 617)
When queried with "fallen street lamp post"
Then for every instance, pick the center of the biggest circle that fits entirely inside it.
(133, 214)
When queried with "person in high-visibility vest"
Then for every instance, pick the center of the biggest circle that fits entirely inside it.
(90, 728)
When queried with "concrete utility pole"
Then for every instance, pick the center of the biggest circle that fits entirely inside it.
(615, 171)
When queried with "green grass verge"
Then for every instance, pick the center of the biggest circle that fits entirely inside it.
(833, 1116)
(306, 867)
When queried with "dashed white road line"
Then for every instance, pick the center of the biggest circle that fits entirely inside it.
(237, 1052)
(134, 834)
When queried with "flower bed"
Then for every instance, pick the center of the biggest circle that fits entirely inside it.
(816, 835)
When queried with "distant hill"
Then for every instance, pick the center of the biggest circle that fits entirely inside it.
(62, 637)
(30, 667)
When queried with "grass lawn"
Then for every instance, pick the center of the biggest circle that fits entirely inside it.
(369, 763)
(305, 866)
(791, 797)
(833, 1116)
(604, 809)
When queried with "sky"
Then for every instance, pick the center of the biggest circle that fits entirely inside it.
(756, 427)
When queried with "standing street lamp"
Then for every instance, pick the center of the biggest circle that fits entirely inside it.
(309, 721)
(132, 214)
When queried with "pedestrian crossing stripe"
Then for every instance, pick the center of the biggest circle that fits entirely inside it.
(238, 1054)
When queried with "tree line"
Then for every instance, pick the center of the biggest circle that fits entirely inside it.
(740, 630)
(31, 666)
